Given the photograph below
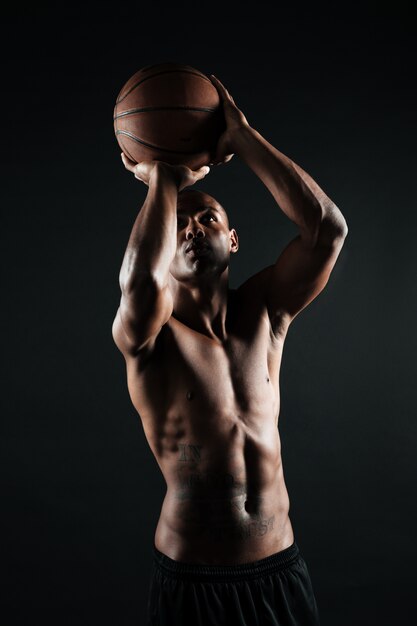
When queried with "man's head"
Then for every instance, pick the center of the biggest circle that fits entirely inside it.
(202, 221)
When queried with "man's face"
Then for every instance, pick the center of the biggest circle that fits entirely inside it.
(204, 241)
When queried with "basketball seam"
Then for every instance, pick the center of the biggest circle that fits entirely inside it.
(122, 143)
(159, 74)
(173, 108)
(151, 145)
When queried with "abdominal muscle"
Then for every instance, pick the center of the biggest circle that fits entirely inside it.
(226, 500)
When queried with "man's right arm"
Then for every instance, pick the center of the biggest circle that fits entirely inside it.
(146, 301)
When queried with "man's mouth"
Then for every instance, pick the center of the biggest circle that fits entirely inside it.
(196, 248)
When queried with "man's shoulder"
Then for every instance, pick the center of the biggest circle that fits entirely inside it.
(253, 297)
(255, 285)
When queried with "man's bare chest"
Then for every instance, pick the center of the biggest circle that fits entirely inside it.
(189, 370)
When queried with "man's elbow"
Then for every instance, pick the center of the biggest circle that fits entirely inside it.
(333, 227)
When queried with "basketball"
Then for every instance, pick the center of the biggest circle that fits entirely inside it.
(169, 112)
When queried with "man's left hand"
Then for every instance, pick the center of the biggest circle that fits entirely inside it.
(235, 122)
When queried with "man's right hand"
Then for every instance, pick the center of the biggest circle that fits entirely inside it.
(183, 175)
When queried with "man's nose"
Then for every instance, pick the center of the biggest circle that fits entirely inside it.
(194, 231)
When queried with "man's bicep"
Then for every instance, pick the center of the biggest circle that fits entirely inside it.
(299, 274)
(141, 314)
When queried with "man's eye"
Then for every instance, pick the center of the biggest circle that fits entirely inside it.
(180, 222)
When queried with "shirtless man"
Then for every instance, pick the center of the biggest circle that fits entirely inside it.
(203, 364)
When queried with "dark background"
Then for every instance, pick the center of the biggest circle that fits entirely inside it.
(81, 491)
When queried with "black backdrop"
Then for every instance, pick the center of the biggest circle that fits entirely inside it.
(81, 492)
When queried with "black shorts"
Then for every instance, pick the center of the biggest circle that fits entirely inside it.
(274, 591)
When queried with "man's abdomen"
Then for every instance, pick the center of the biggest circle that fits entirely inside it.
(226, 500)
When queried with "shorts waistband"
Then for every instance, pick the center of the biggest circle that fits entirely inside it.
(198, 571)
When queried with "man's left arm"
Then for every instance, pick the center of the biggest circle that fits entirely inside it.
(303, 268)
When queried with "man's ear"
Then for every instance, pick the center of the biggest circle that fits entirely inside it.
(234, 240)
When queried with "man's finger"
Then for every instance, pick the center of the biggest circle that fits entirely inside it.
(129, 165)
(203, 171)
(141, 168)
(220, 86)
(226, 96)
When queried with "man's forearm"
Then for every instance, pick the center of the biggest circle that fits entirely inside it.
(152, 243)
(297, 194)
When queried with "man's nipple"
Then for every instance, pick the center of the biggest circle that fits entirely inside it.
(190, 395)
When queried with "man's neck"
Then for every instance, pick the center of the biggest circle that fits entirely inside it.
(203, 306)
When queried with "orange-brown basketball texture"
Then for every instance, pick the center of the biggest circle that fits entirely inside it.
(169, 112)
